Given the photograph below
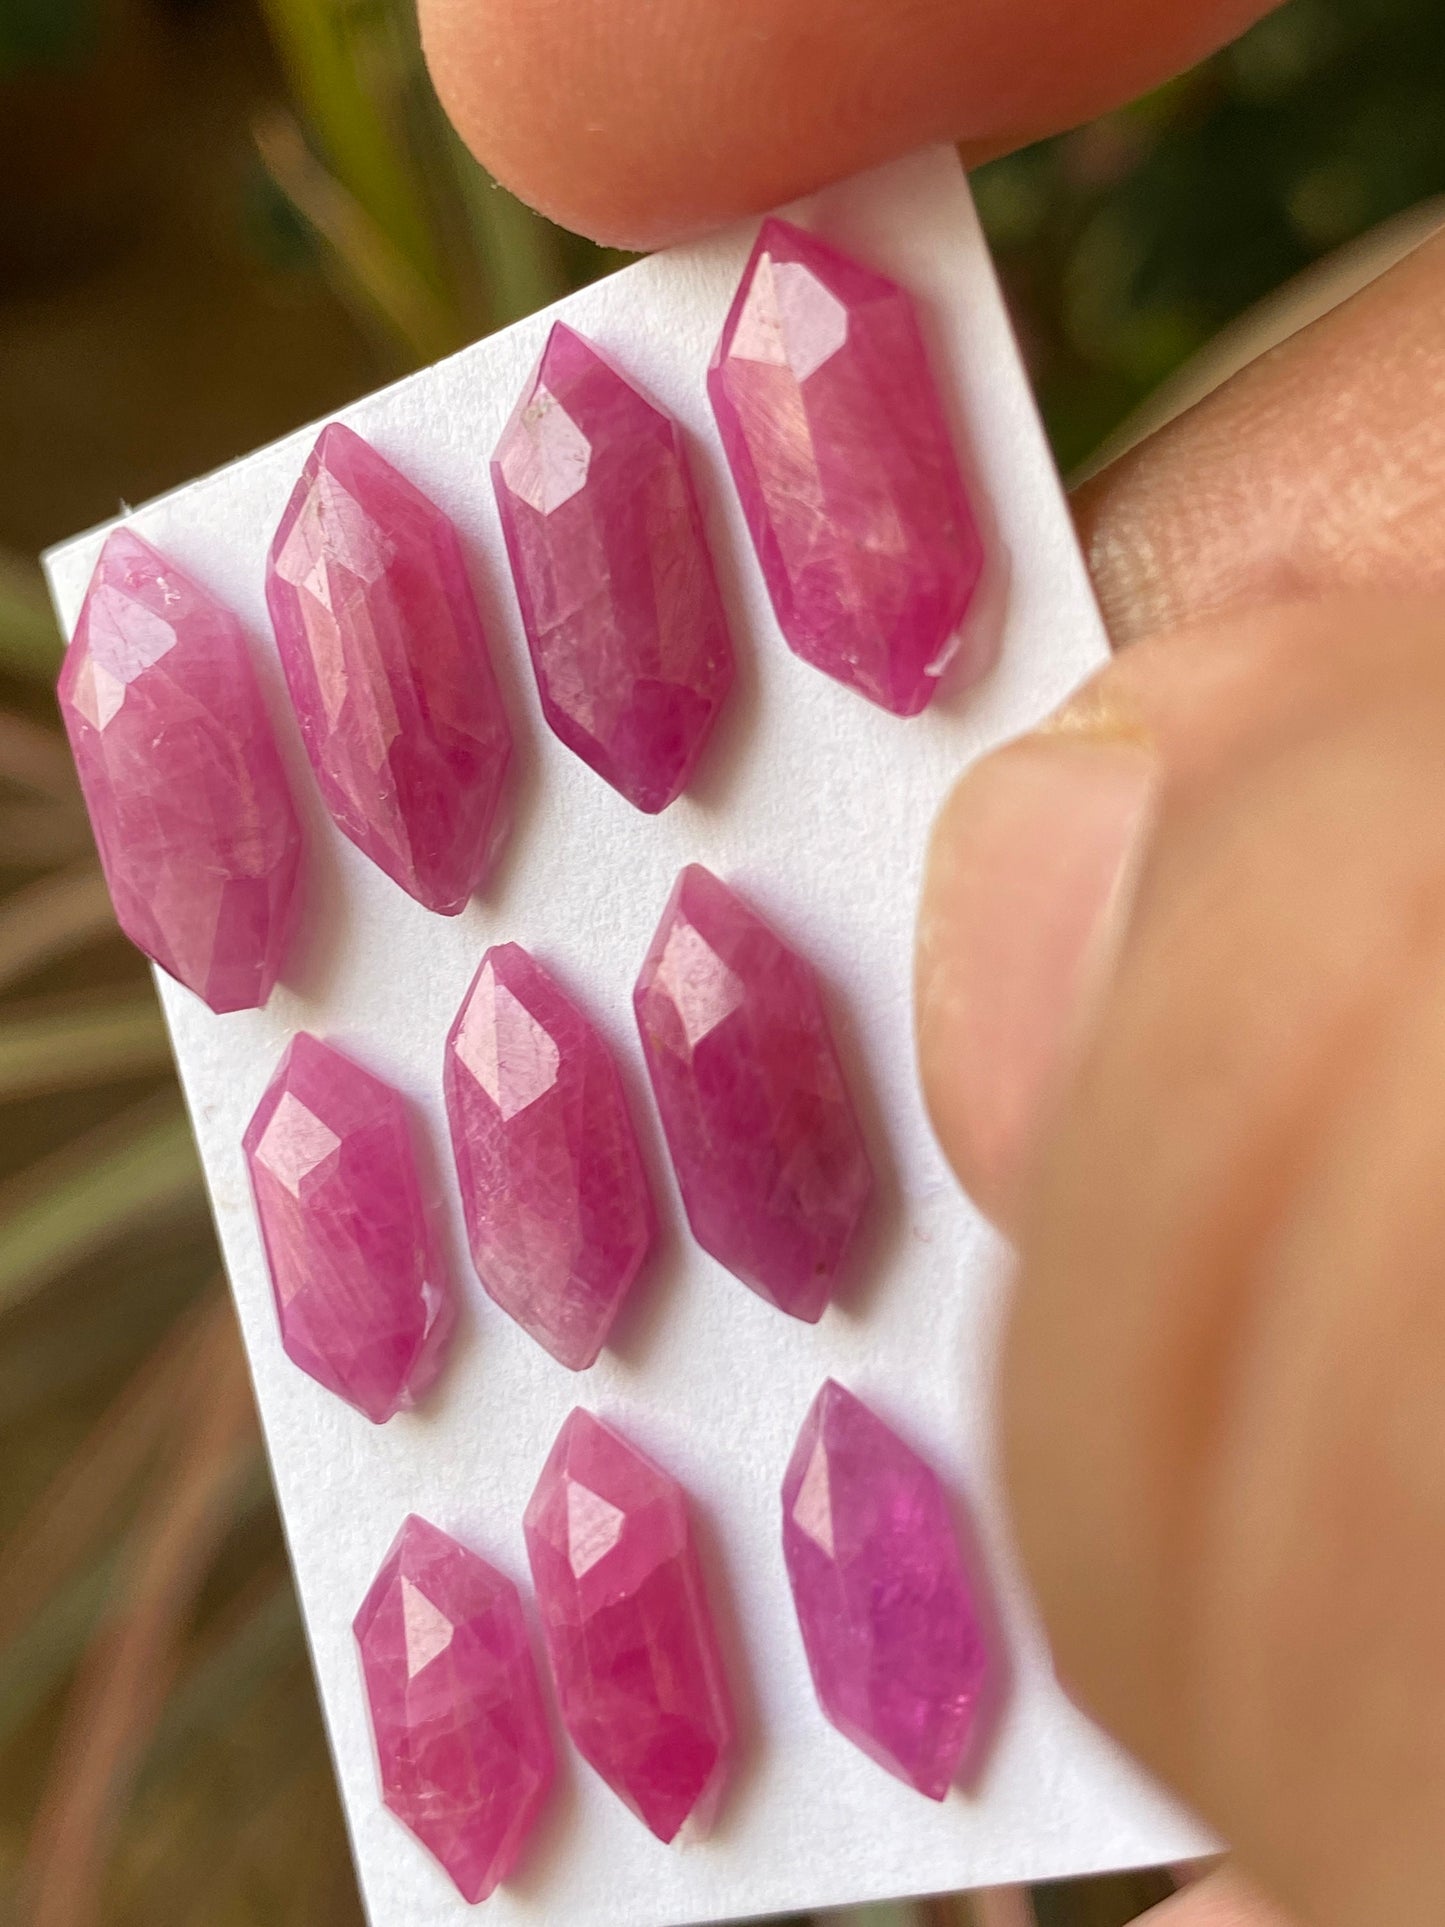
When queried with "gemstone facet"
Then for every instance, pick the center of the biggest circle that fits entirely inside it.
(362, 1295)
(628, 1626)
(613, 573)
(456, 1712)
(893, 1640)
(388, 670)
(559, 1214)
(763, 1134)
(194, 822)
(837, 439)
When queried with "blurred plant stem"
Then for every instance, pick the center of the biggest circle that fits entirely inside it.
(29, 641)
(415, 232)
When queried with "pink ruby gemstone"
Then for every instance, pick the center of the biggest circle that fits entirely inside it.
(362, 1295)
(838, 442)
(192, 816)
(388, 670)
(559, 1214)
(456, 1712)
(763, 1134)
(628, 1627)
(893, 1640)
(613, 573)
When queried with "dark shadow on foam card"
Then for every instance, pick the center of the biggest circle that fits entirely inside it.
(512, 666)
(736, 729)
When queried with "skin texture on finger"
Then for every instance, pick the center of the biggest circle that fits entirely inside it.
(1222, 1899)
(1317, 470)
(1224, 1381)
(1031, 865)
(643, 121)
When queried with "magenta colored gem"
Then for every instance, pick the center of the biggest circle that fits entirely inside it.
(838, 443)
(613, 573)
(389, 672)
(194, 822)
(764, 1138)
(888, 1620)
(628, 1627)
(461, 1736)
(361, 1288)
(559, 1214)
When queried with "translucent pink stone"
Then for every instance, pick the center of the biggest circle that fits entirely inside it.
(893, 1641)
(461, 1736)
(613, 573)
(840, 448)
(628, 1627)
(764, 1138)
(388, 670)
(194, 822)
(361, 1288)
(559, 1214)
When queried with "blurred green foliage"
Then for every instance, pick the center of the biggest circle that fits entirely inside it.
(43, 33)
(1126, 245)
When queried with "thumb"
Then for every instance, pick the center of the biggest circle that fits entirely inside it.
(1224, 1382)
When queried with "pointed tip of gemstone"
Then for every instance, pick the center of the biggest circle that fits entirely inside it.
(558, 1209)
(613, 575)
(819, 356)
(193, 817)
(893, 1638)
(764, 1137)
(362, 1294)
(462, 1741)
(389, 673)
(628, 1627)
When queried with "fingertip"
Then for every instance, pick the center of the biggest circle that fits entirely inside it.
(640, 123)
(1024, 868)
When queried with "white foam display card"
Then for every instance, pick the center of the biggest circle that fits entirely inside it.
(816, 806)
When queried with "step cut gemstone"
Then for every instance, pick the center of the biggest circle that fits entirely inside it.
(559, 1214)
(389, 672)
(628, 1626)
(613, 573)
(763, 1134)
(456, 1712)
(196, 829)
(893, 1641)
(838, 442)
(361, 1289)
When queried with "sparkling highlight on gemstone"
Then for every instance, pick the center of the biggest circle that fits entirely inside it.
(628, 1627)
(838, 442)
(559, 1214)
(762, 1130)
(613, 574)
(362, 1294)
(194, 822)
(893, 1640)
(461, 1737)
(388, 670)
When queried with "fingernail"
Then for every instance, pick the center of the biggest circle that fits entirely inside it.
(1027, 876)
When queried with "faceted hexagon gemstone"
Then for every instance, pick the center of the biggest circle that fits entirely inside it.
(888, 1620)
(837, 439)
(192, 816)
(362, 1294)
(559, 1214)
(764, 1138)
(456, 1712)
(628, 1626)
(389, 672)
(613, 573)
